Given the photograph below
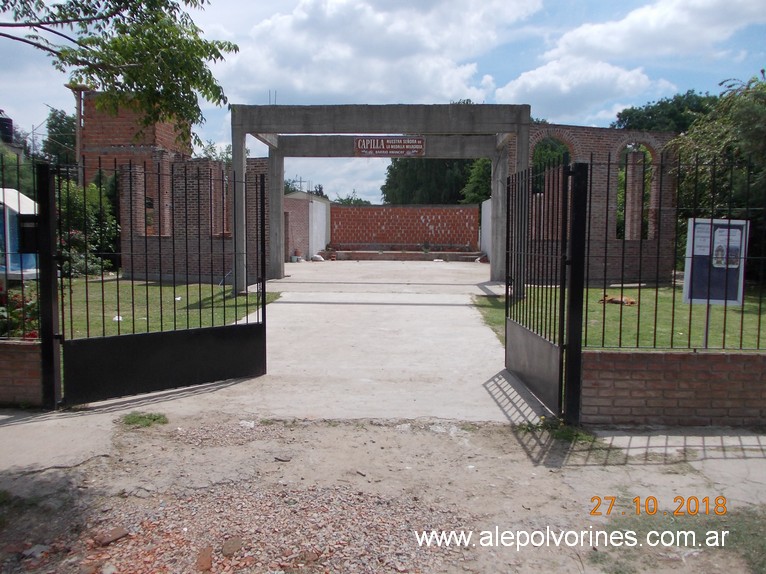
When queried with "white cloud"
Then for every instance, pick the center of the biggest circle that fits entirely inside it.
(663, 28)
(591, 67)
(569, 88)
(374, 51)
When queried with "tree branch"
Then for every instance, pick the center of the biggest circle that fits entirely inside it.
(64, 36)
(65, 21)
(37, 45)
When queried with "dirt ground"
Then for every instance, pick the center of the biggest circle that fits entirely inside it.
(398, 419)
(236, 494)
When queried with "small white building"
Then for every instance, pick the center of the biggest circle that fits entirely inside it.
(14, 266)
(307, 224)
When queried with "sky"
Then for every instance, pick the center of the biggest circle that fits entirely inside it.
(575, 62)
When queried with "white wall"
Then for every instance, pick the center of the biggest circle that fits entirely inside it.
(486, 228)
(319, 226)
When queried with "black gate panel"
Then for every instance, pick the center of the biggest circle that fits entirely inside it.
(536, 362)
(545, 258)
(147, 259)
(107, 367)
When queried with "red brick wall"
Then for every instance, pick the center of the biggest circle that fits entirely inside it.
(21, 373)
(188, 241)
(297, 235)
(108, 138)
(673, 388)
(610, 257)
(405, 227)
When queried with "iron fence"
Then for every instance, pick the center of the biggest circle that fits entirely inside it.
(537, 211)
(19, 295)
(687, 254)
(142, 247)
(675, 254)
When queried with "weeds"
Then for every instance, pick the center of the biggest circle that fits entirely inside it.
(143, 420)
(558, 430)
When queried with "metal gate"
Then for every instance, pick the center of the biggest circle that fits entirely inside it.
(545, 271)
(142, 263)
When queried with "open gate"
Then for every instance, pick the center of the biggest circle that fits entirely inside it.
(545, 272)
(142, 264)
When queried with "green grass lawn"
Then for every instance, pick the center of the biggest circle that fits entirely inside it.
(659, 320)
(91, 307)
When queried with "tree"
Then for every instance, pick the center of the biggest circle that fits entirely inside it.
(728, 149)
(291, 186)
(674, 114)
(318, 190)
(210, 150)
(60, 145)
(15, 173)
(735, 127)
(149, 56)
(90, 232)
(479, 185)
(351, 199)
(425, 181)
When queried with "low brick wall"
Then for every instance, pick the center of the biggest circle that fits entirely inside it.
(673, 388)
(405, 227)
(21, 373)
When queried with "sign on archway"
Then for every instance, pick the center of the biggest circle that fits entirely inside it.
(372, 146)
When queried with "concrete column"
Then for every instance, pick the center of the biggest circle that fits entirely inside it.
(239, 227)
(499, 178)
(520, 225)
(276, 249)
(500, 170)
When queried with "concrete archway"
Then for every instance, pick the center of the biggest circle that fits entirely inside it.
(459, 131)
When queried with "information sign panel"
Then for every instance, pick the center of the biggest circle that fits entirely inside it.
(715, 261)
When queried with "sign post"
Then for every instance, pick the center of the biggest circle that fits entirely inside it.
(714, 273)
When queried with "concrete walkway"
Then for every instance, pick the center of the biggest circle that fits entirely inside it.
(387, 340)
(346, 340)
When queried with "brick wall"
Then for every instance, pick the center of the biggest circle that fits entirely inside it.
(610, 257)
(188, 237)
(112, 140)
(20, 373)
(405, 227)
(298, 227)
(673, 388)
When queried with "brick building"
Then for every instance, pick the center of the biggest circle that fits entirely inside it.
(634, 251)
(161, 164)
(307, 224)
(186, 236)
(110, 140)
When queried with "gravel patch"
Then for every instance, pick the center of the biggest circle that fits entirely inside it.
(244, 528)
(229, 433)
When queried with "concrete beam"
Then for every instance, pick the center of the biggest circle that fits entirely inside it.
(436, 146)
(503, 140)
(380, 119)
(271, 140)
